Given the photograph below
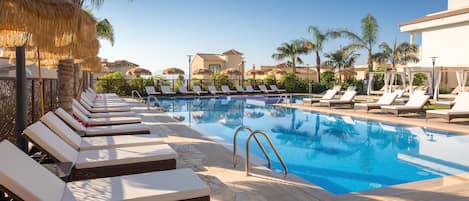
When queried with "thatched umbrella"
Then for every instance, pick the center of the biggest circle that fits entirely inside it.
(231, 71)
(43, 24)
(203, 71)
(173, 71)
(253, 72)
(277, 71)
(137, 71)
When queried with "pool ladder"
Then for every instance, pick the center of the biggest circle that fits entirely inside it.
(253, 134)
(159, 107)
(285, 98)
(135, 92)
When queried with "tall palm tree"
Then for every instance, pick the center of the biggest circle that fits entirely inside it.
(401, 53)
(342, 58)
(367, 39)
(290, 51)
(316, 45)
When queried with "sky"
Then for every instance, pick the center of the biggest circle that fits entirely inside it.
(160, 33)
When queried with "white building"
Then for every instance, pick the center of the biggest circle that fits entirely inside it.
(444, 35)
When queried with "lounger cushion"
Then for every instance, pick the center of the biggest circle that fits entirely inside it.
(104, 109)
(116, 129)
(50, 142)
(113, 120)
(94, 143)
(400, 107)
(71, 121)
(124, 155)
(171, 185)
(25, 177)
(448, 112)
(61, 129)
(77, 105)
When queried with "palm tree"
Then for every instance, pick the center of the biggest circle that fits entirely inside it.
(367, 39)
(342, 58)
(316, 45)
(402, 53)
(290, 51)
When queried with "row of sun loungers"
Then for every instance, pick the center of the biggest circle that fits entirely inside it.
(225, 89)
(120, 164)
(387, 103)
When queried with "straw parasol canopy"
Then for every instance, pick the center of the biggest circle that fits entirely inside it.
(173, 71)
(277, 71)
(231, 71)
(137, 71)
(203, 71)
(92, 64)
(254, 72)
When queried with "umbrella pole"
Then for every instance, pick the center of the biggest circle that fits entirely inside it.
(41, 83)
(21, 98)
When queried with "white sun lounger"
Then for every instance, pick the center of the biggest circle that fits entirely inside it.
(264, 89)
(61, 129)
(33, 182)
(225, 89)
(150, 90)
(249, 89)
(103, 103)
(346, 99)
(101, 121)
(124, 129)
(213, 90)
(459, 110)
(102, 95)
(80, 107)
(415, 104)
(102, 99)
(240, 89)
(329, 95)
(166, 90)
(94, 161)
(198, 90)
(385, 99)
(275, 88)
(183, 90)
(91, 108)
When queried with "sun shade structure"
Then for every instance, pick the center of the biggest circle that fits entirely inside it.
(277, 71)
(137, 71)
(173, 71)
(203, 71)
(231, 71)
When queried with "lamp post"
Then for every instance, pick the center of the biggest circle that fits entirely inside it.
(190, 72)
(309, 80)
(433, 75)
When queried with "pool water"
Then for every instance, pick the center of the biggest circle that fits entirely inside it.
(341, 154)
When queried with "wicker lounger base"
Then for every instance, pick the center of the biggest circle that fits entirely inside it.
(333, 104)
(397, 112)
(367, 108)
(119, 170)
(117, 133)
(447, 117)
(205, 198)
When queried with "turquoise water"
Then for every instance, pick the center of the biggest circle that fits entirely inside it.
(340, 154)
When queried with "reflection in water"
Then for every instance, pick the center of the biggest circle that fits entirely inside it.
(341, 154)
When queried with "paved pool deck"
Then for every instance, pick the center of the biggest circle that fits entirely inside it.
(212, 161)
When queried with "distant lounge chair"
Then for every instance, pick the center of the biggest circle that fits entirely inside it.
(90, 114)
(249, 89)
(105, 104)
(166, 90)
(415, 104)
(42, 184)
(459, 110)
(151, 91)
(240, 89)
(264, 89)
(329, 95)
(124, 129)
(276, 89)
(385, 99)
(346, 99)
(72, 138)
(101, 121)
(183, 90)
(91, 164)
(213, 90)
(225, 89)
(198, 90)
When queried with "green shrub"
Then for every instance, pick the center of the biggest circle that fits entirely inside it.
(419, 79)
(358, 84)
(328, 79)
(112, 83)
(219, 79)
(318, 88)
(292, 83)
(445, 90)
(269, 79)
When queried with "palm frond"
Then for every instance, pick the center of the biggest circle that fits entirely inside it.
(105, 30)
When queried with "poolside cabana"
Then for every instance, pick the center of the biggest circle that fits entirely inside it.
(390, 78)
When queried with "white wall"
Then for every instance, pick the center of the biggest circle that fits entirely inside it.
(450, 44)
(457, 4)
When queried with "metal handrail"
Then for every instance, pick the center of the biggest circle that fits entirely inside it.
(253, 134)
(235, 158)
(160, 106)
(138, 94)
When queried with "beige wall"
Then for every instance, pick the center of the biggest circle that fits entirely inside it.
(457, 4)
(232, 61)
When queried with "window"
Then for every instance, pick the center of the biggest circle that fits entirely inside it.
(215, 68)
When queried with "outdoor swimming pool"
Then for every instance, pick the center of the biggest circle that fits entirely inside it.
(340, 154)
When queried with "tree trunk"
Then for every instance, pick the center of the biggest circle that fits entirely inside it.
(293, 63)
(318, 67)
(65, 72)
